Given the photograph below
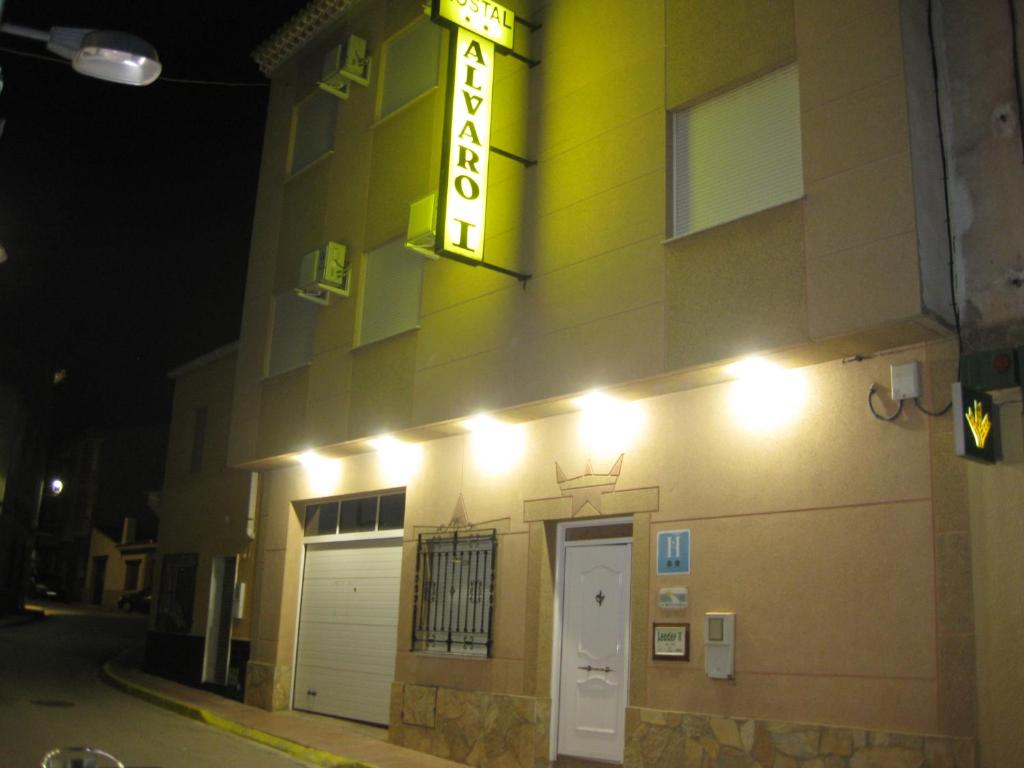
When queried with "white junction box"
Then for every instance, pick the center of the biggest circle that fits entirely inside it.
(720, 645)
(905, 380)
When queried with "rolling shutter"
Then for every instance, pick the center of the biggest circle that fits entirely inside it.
(345, 662)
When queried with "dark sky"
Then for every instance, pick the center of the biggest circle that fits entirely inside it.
(126, 212)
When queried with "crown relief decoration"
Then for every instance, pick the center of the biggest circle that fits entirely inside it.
(586, 490)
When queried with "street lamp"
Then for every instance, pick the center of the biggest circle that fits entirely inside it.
(117, 57)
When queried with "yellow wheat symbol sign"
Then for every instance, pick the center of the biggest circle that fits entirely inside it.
(979, 423)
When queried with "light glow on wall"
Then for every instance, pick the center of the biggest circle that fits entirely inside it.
(609, 425)
(765, 396)
(495, 446)
(399, 461)
(322, 473)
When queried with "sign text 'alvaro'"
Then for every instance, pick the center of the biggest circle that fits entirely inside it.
(462, 203)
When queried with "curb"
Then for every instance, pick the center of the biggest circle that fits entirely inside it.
(26, 616)
(293, 748)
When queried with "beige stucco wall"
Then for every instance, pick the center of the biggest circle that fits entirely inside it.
(996, 496)
(820, 535)
(588, 221)
(205, 512)
(841, 541)
(101, 545)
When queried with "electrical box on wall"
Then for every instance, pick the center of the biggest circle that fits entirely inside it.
(994, 369)
(905, 380)
(720, 645)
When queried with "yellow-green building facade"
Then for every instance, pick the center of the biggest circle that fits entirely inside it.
(706, 183)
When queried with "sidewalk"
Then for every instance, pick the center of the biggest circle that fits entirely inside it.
(26, 616)
(317, 739)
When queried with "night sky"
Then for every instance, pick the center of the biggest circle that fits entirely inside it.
(126, 212)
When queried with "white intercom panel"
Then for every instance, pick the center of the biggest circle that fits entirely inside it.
(720, 645)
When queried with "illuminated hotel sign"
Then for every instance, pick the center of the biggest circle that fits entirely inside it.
(488, 20)
(973, 428)
(477, 27)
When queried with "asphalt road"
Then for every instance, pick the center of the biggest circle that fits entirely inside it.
(51, 695)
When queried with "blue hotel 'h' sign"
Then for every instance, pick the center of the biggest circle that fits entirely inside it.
(673, 552)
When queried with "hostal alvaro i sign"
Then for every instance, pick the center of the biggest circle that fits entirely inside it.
(477, 29)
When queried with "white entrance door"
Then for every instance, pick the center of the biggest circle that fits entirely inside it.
(348, 628)
(595, 631)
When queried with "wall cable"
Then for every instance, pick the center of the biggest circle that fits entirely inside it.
(871, 406)
(922, 409)
(1016, 74)
(945, 179)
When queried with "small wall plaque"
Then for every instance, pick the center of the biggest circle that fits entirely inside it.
(672, 641)
(674, 553)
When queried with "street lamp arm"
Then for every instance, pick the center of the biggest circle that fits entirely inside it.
(19, 31)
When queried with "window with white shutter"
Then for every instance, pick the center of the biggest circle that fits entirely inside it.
(737, 154)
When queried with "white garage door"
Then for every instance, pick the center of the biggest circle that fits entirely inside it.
(347, 629)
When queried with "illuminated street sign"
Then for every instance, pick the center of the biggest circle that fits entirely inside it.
(973, 424)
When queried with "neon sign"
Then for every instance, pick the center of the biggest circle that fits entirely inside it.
(973, 429)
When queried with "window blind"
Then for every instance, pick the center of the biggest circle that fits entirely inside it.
(737, 153)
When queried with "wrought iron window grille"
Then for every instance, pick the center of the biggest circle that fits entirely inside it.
(454, 607)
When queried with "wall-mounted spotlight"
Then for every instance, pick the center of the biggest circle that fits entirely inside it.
(496, 446)
(399, 461)
(608, 426)
(322, 472)
(765, 396)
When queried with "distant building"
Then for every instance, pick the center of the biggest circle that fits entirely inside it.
(108, 476)
(25, 386)
(200, 628)
(597, 453)
(121, 564)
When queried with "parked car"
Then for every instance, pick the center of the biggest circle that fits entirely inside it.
(44, 591)
(138, 600)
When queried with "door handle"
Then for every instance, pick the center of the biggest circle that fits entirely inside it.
(595, 669)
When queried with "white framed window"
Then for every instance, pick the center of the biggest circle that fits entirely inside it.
(377, 513)
(737, 154)
(291, 342)
(313, 134)
(392, 289)
(410, 63)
